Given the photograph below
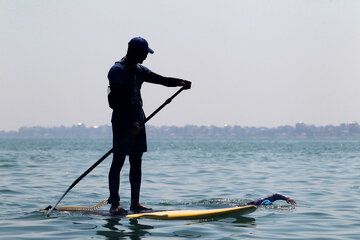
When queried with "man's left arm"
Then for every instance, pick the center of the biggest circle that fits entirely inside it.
(167, 81)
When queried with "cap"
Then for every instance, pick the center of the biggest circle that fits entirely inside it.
(266, 202)
(141, 44)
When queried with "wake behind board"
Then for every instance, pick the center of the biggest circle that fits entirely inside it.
(176, 214)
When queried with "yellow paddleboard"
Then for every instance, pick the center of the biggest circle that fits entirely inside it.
(195, 214)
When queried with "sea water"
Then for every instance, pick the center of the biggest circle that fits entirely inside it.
(323, 176)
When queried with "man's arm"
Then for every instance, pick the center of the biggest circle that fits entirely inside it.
(119, 98)
(167, 81)
(120, 102)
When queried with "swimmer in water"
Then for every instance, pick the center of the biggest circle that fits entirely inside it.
(268, 200)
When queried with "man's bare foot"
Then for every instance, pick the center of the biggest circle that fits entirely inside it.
(139, 208)
(117, 210)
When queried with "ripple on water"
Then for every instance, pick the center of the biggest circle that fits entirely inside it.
(185, 174)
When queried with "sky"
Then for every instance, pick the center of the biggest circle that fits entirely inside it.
(252, 62)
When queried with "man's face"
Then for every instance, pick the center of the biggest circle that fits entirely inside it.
(140, 56)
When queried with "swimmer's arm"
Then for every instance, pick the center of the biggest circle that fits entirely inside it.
(272, 198)
(278, 196)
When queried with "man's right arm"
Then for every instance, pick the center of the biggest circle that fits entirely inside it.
(119, 98)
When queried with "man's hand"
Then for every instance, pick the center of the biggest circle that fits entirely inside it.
(136, 128)
(186, 84)
(291, 201)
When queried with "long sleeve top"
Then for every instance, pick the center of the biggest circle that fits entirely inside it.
(125, 83)
(272, 198)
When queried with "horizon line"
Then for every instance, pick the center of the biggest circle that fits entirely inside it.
(194, 125)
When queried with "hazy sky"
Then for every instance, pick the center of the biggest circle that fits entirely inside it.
(252, 63)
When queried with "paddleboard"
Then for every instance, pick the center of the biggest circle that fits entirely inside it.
(195, 214)
(175, 214)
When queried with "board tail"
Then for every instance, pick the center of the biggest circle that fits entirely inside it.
(77, 208)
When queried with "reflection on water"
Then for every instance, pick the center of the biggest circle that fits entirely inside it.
(243, 221)
(124, 228)
(247, 221)
(117, 230)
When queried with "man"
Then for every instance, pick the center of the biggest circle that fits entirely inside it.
(126, 77)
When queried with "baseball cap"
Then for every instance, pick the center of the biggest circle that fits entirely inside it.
(141, 44)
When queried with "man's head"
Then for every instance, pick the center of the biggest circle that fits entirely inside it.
(138, 50)
(140, 44)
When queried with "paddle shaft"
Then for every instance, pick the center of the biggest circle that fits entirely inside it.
(111, 150)
(80, 178)
(163, 105)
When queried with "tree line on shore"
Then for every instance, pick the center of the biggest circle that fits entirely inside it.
(300, 130)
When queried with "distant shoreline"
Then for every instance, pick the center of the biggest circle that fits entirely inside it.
(299, 131)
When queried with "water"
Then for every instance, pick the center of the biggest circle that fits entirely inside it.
(321, 175)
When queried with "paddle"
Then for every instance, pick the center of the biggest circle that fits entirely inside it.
(111, 150)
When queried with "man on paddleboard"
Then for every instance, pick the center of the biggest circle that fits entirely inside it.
(129, 138)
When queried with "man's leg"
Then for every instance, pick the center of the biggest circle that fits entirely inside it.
(114, 178)
(135, 181)
(135, 177)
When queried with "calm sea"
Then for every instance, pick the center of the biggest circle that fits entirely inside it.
(323, 176)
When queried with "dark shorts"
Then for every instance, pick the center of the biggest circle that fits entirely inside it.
(124, 142)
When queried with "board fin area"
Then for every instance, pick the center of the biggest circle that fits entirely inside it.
(77, 208)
